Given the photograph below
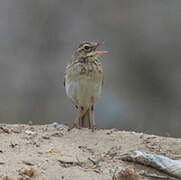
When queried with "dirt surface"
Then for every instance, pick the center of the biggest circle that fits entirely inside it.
(47, 152)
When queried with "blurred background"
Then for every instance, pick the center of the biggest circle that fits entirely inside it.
(142, 87)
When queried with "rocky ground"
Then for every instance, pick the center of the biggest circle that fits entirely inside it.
(50, 152)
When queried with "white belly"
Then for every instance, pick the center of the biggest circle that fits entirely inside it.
(83, 92)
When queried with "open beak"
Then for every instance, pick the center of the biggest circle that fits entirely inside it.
(99, 52)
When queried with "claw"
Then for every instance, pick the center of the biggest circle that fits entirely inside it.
(93, 128)
(75, 125)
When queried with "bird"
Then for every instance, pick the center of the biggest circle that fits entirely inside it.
(83, 82)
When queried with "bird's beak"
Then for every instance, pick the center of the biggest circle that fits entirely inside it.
(99, 52)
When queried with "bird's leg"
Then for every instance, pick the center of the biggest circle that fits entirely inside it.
(76, 121)
(93, 118)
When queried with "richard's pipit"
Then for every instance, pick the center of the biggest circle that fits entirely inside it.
(84, 80)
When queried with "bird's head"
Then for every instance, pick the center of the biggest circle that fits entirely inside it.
(88, 50)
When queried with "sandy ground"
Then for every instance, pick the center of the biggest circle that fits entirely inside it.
(48, 153)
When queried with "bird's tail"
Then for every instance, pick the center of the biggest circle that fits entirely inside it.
(85, 120)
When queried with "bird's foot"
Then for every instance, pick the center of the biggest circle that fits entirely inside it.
(93, 128)
(75, 125)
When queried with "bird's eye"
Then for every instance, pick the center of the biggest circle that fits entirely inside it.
(87, 48)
